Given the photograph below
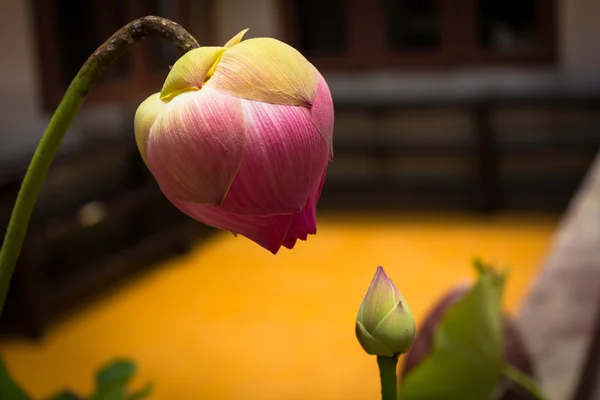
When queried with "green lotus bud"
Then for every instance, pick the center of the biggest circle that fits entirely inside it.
(385, 325)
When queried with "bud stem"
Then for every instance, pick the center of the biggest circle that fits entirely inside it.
(387, 375)
(117, 45)
(524, 381)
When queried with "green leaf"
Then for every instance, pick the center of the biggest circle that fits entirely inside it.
(66, 395)
(116, 374)
(112, 381)
(466, 359)
(111, 393)
(9, 390)
(142, 393)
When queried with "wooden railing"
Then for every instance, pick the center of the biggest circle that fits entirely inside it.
(100, 217)
(486, 146)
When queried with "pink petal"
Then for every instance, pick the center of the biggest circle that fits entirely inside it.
(305, 223)
(322, 113)
(268, 232)
(289, 243)
(284, 158)
(196, 145)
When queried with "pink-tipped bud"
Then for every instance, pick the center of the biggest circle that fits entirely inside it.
(384, 326)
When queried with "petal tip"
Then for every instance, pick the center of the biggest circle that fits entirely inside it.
(380, 275)
(289, 243)
(190, 71)
(236, 39)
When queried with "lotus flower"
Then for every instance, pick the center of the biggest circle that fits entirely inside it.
(385, 326)
(239, 138)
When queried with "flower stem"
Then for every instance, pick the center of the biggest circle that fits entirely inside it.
(387, 376)
(524, 381)
(117, 45)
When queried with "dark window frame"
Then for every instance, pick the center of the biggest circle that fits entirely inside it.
(141, 80)
(543, 54)
(354, 23)
(458, 28)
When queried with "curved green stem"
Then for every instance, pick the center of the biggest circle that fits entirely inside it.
(387, 375)
(88, 75)
(524, 381)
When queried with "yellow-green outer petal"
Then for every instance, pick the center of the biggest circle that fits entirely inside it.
(236, 39)
(145, 116)
(396, 330)
(190, 71)
(265, 69)
(369, 344)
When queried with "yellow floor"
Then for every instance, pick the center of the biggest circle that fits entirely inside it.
(231, 321)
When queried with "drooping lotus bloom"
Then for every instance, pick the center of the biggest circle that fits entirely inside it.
(239, 138)
(384, 326)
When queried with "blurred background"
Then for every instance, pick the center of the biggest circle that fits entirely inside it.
(463, 128)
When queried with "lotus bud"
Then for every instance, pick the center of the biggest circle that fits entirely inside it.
(385, 326)
(240, 137)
